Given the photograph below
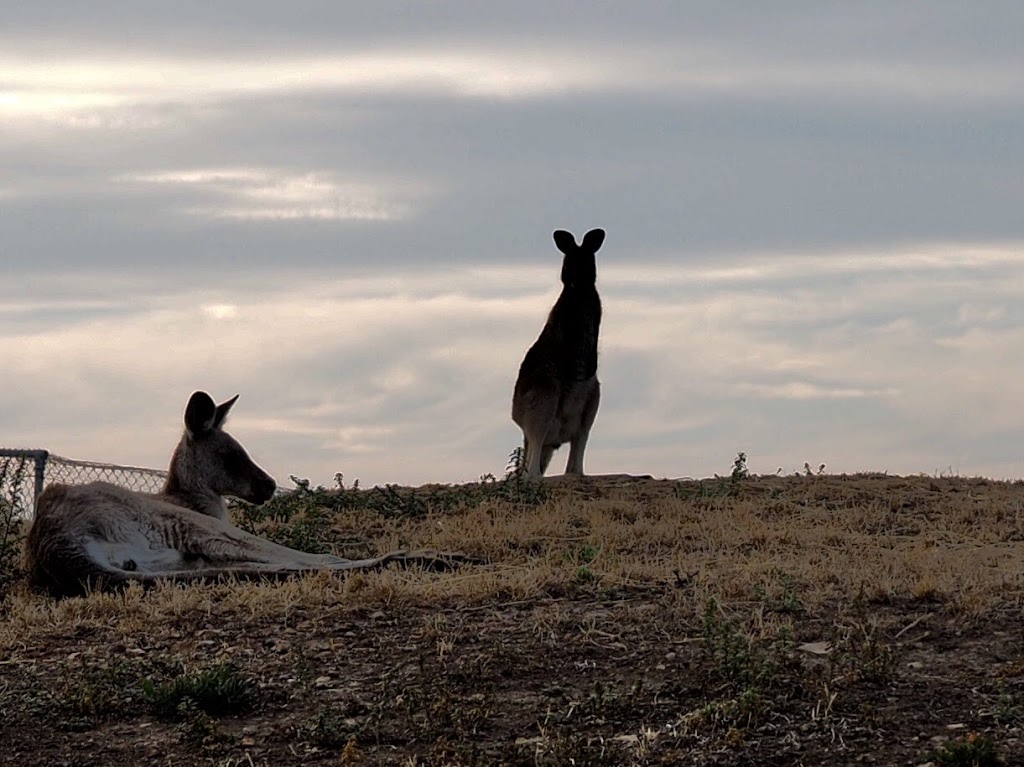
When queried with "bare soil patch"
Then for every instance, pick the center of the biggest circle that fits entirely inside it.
(814, 620)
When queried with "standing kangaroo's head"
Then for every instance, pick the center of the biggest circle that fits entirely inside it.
(210, 459)
(578, 267)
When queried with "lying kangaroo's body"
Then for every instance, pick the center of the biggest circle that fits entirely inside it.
(557, 392)
(101, 536)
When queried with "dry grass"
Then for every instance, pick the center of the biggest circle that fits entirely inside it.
(740, 571)
(959, 541)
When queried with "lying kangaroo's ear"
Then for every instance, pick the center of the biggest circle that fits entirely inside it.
(222, 412)
(564, 241)
(200, 413)
(593, 240)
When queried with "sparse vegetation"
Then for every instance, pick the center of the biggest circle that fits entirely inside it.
(779, 597)
(758, 673)
(739, 468)
(748, 620)
(13, 472)
(327, 730)
(861, 649)
(87, 695)
(218, 691)
(973, 751)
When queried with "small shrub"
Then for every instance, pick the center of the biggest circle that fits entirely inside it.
(739, 467)
(218, 691)
(759, 674)
(85, 696)
(13, 472)
(862, 651)
(1006, 710)
(973, 751)
(326, 730)
(785, 601)
(516, 465)
(737, 656)
(197, 725)
(584, 575)
(719, 487)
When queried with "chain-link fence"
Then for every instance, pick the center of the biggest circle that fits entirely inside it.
(25, 473)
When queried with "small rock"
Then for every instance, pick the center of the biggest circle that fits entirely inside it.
(816, 648)
(671, 656)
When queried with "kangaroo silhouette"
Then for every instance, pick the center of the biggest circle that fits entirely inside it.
(557, 392)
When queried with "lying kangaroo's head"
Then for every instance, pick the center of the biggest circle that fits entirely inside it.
(578, 267)
(208, 459)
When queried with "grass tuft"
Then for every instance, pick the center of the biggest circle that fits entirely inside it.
(219, 691)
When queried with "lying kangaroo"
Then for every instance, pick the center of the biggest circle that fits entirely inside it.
(102, 536)
(557, 391)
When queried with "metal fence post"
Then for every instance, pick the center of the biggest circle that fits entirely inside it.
(40, 460)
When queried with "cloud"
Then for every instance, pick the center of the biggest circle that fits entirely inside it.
(77, 88)
(813, 216)
(265, 193)
(800, 390)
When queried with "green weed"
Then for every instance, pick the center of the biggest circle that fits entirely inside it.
(13, 472)
(782, 600)
(861, 650)
(197, 725)
(81, 701)
(327, 730)
(758, 674)
(739, 467)
(218, 691)
(973, 751)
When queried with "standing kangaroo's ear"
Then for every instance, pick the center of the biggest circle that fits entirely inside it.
(564, 241)
(593, 240)
(222, 412)
(200, 413)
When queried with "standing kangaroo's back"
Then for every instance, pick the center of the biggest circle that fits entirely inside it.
(568, 342)
(576, 317)
(567, 346)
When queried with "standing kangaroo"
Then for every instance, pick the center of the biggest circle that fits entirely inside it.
(101, 536)
(557, 391)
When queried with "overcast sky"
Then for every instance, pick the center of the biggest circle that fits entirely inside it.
(343, 212)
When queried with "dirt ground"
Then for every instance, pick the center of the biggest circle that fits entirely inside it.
(805, 620)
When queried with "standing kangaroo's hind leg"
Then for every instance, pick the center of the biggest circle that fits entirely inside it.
(578, 444)
(540, 411)
(545, 457)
